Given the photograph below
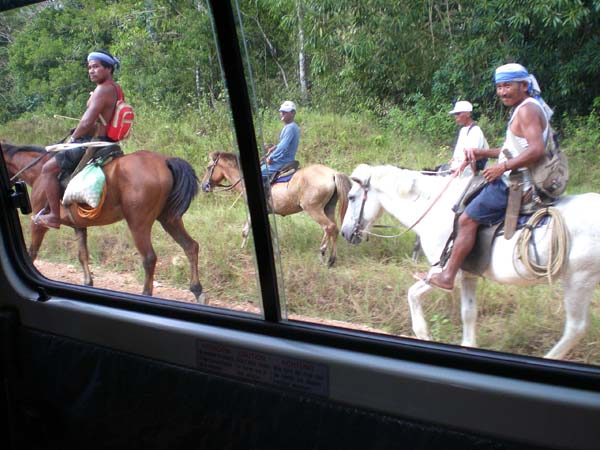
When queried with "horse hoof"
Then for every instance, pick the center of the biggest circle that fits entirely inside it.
(201, 299)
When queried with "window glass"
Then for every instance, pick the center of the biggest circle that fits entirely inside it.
(391, 85)
(333, 85)
(170, 74)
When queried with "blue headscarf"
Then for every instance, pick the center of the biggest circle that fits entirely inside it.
(112, 60)
(516, 72)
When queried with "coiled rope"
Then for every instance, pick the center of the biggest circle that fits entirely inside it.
(557, 250)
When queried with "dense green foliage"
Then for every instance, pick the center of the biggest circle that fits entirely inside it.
(356, 55)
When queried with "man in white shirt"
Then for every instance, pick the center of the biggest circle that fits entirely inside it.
(469, 136)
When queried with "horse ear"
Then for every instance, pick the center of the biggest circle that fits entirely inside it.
(357, 180)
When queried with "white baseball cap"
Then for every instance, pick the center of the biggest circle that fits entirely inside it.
(287, 106)
(462, 106)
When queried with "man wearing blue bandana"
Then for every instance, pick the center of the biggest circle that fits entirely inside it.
(92, 126)
(526, 136)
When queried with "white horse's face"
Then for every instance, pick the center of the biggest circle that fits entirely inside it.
(363, 207)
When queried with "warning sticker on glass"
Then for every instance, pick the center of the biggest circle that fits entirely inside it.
(275, 370)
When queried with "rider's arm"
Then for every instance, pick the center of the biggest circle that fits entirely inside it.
(473, 154)
(283, 145)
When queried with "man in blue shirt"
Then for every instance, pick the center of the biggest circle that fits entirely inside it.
(285, 151)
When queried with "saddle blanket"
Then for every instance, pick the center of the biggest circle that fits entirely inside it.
(283, 179)
(479, 258)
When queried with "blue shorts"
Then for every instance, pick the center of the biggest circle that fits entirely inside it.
(489, 207)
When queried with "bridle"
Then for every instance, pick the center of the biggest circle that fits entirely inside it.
(365, 186)
(210, 171)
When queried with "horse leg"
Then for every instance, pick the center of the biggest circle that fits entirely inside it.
(177, 231)
(37, 236)
(416, 250)
(419, 324)
(323, 246)
(245, 232)
(333, 235)
(83, 255)
(142, 238)
(330, 230)
(578, 290)
(468, 310)
(38, 201)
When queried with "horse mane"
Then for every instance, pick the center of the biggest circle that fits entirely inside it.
(230, 159)
(405, 180)
(11, 150)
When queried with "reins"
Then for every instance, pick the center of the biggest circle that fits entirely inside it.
(30, 165)
(452, 176)
(211, 169)
(56, 148)
(226, 188)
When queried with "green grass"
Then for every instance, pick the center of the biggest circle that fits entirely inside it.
(368, 286)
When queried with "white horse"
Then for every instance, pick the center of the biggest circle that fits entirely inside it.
(407, 194)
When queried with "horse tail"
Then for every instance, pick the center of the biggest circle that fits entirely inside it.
(343, 184)
(185, 188)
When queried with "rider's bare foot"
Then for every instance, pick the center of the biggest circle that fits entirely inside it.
(46, 221)
(435, 279)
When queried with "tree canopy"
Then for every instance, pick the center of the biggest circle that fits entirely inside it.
(331, 54)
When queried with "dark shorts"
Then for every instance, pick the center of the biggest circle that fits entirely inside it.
(489, 207)
(68, 160)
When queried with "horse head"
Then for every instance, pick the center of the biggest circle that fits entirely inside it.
(207, 180)
(363, 205)
(221, 166)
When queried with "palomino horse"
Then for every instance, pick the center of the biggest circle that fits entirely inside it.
(407, 194)
(141, 187)
(314, 189)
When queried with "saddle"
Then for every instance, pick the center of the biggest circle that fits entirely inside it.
(519, 210)
(284, 174)
(98, 155)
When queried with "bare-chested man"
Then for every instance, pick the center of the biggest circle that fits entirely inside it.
(100, 106)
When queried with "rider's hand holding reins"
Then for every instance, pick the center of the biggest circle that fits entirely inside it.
(494, 172)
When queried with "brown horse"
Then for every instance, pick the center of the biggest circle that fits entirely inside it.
(141, 187)
(314, 189)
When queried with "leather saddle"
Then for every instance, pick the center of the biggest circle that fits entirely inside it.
(285, 174)
(518, 212)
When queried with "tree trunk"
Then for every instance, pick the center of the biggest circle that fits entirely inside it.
(302, 56)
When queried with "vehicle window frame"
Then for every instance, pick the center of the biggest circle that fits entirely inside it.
(40, 289)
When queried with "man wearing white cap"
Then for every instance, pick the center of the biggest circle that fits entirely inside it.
(526, 136)
(102, 103)
(285, 151)
(469, 136)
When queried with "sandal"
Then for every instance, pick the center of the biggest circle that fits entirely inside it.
(41, 221)
(426, 277)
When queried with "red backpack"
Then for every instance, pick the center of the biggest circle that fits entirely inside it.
(119, 126)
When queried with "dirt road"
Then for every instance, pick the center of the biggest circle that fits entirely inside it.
(126, 282)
